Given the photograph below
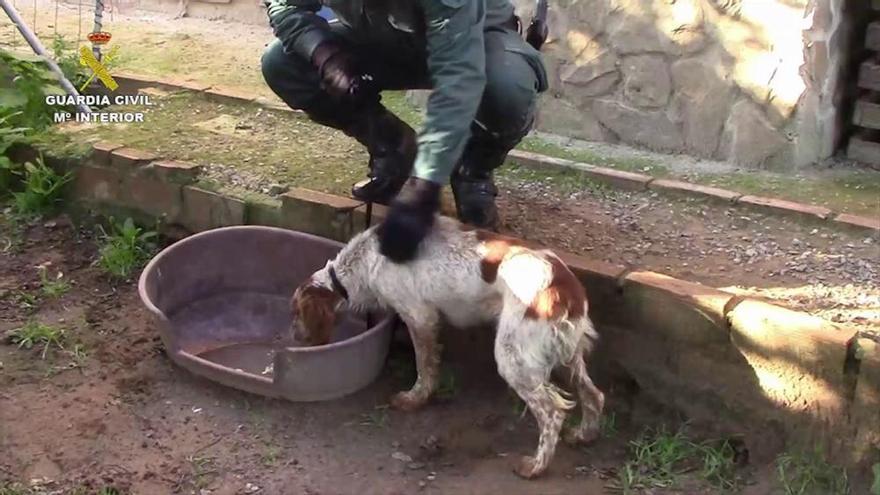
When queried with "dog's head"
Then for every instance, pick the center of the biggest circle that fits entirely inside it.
(314, 313)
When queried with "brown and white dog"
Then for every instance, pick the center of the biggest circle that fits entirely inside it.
(470, 278)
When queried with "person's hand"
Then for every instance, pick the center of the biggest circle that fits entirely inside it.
(410, 220)
(340, 75)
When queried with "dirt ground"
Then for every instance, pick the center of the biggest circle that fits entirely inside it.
(110, 410)
(804, 266)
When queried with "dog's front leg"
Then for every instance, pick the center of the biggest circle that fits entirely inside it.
(423, 328)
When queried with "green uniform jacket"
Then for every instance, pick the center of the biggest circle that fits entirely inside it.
(453, 35)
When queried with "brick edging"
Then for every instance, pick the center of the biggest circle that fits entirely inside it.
(613, 177)
(638, 181)
(690, 345)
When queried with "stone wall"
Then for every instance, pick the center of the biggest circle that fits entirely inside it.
(754, 82)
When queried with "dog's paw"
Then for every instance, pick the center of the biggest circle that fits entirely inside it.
(581, 436)
(527, 467)
(405, 401)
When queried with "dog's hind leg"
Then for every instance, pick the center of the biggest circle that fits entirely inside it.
(529, 376)
(591, 398)
(423, 325)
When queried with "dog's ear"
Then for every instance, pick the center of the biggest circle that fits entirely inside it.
(315, 309)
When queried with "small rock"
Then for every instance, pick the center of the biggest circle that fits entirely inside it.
(276, 189)
(415, 466)
(251, 488)
(400, 456)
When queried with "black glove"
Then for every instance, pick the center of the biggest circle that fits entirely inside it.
(340, 75)
(410, 219)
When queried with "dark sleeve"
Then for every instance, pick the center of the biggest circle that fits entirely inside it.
(456, 63)
(297, 24)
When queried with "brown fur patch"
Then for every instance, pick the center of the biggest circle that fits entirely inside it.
(497, 247)
(315, 308)
(564, 295)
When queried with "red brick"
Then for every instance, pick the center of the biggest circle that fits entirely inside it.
(857, 222)
(159, 199)
(865, 410)
(130, 82)
(618, 178)
(274, 104)
(359, 216)
(174, 171)
(774, 205)
(179, 84)
(222, 94)
(600, 279)
(266, 212)
(685, 312)
(97, 184)
(799, 357)
(130, 158)
(101, 152)
(677, 187)
(204, 210)
(319, 214)
(536, 160)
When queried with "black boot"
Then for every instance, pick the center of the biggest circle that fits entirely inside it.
(475, 193)
(472, 184)
(392, 145)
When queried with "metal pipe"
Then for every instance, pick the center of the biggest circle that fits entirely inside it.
(40, 50)
(99, 21)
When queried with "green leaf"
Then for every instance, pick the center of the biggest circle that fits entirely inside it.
(875, 487)
(12, 98)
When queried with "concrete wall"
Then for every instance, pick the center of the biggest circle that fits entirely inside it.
(753, 82)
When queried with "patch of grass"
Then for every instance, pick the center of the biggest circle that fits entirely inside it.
(608, 425)
(447, 388)
(657, 460)
(126, 248)
(377, 418)
(660, 458)
(26, 300)
(34, 334)
(104, 490)
(809, 473)
(41, 190)
(567, 181)
(52, 287)
(648, 166)
(718, 464)
(202, 470)
(13, 489)
(875, 486)
(270, 456)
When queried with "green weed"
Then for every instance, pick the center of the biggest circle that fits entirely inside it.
(52, 287)
(447, 388)
(126, 248)
(203, 470)
(13, 489)
(377, 418)
(34, 334)
(660, 458)
(67, 58)
(41, 190)
(270, 456)
(875, 486)
(806, 473)
(26, 300)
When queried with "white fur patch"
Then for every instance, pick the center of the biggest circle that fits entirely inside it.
(526, 274)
